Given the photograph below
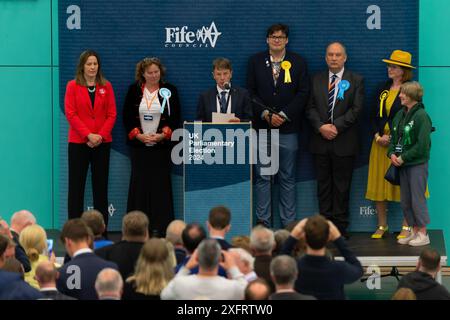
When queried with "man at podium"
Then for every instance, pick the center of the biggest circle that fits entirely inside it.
(224, 102)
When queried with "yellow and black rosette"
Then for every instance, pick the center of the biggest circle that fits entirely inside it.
(383, 97)
(286, 65)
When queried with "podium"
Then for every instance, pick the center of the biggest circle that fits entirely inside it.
(218, 171)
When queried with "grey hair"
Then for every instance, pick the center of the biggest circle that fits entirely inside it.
(209, 252)
(22, 217)
(284, 270)
(244, 256)
(262, 239)
(108, 280)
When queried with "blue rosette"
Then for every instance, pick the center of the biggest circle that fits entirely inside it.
(342, 86)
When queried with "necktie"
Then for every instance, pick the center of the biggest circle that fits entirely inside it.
(331, 90)
(223, 102)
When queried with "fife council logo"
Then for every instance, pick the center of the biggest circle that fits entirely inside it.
(181, 37)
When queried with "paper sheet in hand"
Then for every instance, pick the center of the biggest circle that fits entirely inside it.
(222, 117)
(149, 122)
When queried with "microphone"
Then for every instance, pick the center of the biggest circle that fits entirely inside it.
(227, 86)
(271, 110)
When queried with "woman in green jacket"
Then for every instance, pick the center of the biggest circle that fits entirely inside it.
(409, 150)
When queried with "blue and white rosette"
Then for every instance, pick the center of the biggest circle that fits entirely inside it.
(342, 86)
(165, 94)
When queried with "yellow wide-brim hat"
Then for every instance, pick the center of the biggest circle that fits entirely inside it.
(400, 58)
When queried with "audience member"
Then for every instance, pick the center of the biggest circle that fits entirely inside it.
(258, 289)
(422, 281)
(14, 265)
(262, 242)
(318, 275)
(192, 235)
(34, 241)
(109, 284)
(404, 294)
(173, 235)
(77, 277)
(125, 253)
(94, 220)
(46, 275)
(19, 221)
(218, 224)
(284, 273)
(280, 236)
(207, 283)
(241, 242)
(245, 262)
(12, 287)
(154, 270)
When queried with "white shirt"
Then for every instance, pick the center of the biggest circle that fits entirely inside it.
(81, 251)
(219, 90)
(147, 98)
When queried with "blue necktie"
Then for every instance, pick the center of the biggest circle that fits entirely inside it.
(223, 102)
(331, 90)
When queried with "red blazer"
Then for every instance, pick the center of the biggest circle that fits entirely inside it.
(83, 119)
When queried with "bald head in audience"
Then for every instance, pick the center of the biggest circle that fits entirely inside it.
(258, 289)
(46, 275)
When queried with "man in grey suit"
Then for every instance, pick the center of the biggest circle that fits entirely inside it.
(334, 107)
(224, 98)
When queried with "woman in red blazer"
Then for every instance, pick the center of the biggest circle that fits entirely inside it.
(90, 109)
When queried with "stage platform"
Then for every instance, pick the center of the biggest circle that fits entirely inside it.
(387, 252)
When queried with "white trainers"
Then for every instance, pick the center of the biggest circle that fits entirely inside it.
(420, 240)
(406, 240)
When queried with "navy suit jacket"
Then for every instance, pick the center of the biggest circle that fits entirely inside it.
(240, 104)
(20, 253)
(55, 295)
(346, 114)
(291, 98)
(12, 287)
(89, 267)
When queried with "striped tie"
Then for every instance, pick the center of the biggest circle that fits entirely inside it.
(331, 89)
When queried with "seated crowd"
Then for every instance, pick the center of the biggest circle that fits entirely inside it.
(191, 262)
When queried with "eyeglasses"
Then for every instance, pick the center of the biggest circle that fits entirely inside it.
(277, 37)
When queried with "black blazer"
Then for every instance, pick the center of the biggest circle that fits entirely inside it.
(240, 104)
(124, 254)
(291, 98)
(346, 114)
(21, 255)
(376, 121)
(131, 112)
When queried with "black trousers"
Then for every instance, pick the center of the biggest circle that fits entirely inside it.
(150, 188)
(334, 178)
(80, 156)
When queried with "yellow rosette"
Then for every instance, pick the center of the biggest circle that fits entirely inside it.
(286, 65)
(383, 97)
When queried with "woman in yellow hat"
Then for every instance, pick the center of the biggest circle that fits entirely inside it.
(386, 105)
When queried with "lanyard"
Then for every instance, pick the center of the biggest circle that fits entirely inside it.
(149, 105)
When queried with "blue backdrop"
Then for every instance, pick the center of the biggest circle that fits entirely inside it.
(188, 35)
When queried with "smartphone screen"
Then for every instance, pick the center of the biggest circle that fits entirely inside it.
(49, 247)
